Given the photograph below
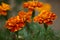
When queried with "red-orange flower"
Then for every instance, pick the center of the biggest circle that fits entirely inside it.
(31, 5)
(45, 17)
(2, 12)
(22, 14)
(3, 9)
(14, 24)
(26, 16)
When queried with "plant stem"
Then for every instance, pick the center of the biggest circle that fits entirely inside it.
(17, 35)
(14, 37)
(45, 26)
(33, 14)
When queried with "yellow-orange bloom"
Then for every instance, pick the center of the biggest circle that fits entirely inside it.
(3, 8)
(45, 17)
(45, 6)
(14, 24)
(31, 5)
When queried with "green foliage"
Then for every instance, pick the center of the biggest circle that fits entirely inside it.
(33, 31)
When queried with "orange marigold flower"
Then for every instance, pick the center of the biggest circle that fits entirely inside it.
(31, 5)
(26, 16)
(22, 14)
(3, 9)
(45, 17)
(14, 24)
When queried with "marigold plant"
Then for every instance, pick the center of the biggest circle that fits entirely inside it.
(45, 17)
(31, 5)
(14, 24)
(28, 20)
(26, 16)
